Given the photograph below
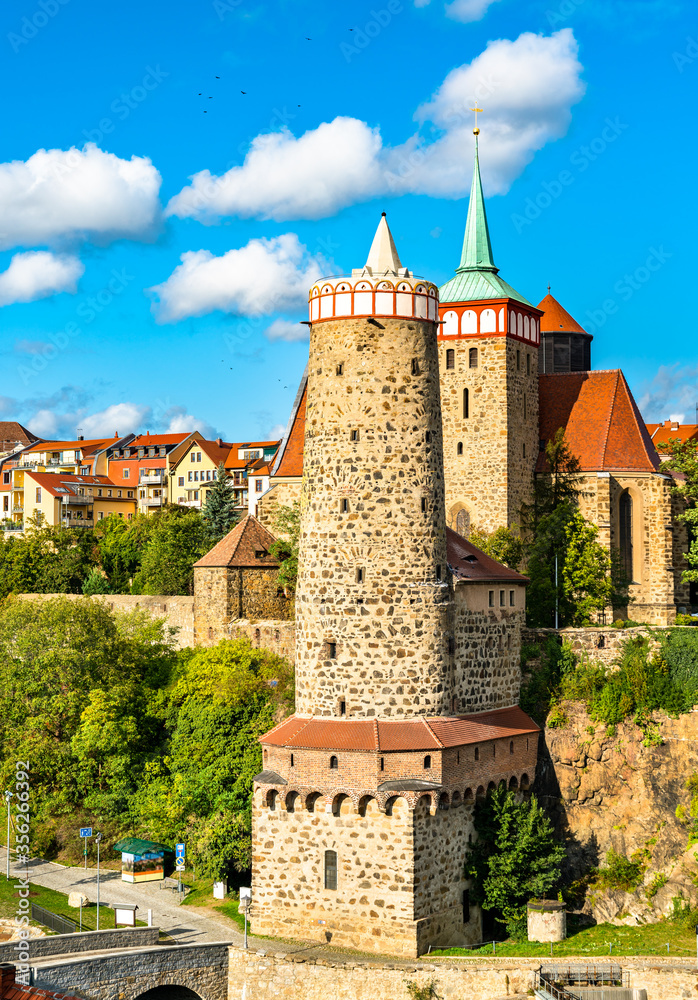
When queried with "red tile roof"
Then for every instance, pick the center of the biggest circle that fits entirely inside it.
(289, 458)
(662, 434)
(95, 444)
(143, 440)
(51, 481)
(241, 545)
(602, 423)
(418, 733)
(469, 563)
(12, 990)
(11, 433)
(555, 319)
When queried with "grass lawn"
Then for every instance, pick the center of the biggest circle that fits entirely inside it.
(56, 902)
(650, 939)
(201, 894)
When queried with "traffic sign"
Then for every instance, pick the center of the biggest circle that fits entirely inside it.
(180, 850)
(85, 831)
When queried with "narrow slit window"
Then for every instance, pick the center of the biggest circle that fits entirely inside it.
(450, 358)
(424, 505)
(353, 435)
(427, 437)
(518, 360)
(382, 764)
(477, 753)
(331, 870)
(344, 506)
(360, 574)
(472, 357)
(332, 650)
(491, 598)
(525, 402)
(342, 708)
(511, 746)
(340, 369)
(512, 598)
(502, 598)
(415, 366)
(466, 404)
(292, 761)
(528, 364)
(438, 572)
(459, 448)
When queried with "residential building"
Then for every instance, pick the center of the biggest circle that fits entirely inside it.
(142, 463)
(80, 457)
(671, 430)
(73, 501)
(14, 437)
(194, 467)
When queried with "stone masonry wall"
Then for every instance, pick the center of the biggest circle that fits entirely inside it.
(64, 944)
(283, 493)
(492, 476)
(223, 594)
(377, 597)
(258, 975)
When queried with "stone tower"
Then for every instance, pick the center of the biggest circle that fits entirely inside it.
(362, 814)
(488, 362)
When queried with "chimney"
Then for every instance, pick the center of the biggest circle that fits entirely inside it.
(81, 437)
(667, 423)
(674, 425)
(7, 978)
(219, 442)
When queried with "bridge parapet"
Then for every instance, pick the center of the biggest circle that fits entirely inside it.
(68, 944)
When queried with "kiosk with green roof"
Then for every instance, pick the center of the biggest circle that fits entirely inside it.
(142, 860)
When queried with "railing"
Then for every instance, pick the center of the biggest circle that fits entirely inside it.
(59, 924)
(152, 501)
(81, 498)
(590, 982)
(17, 508)
(157, 477)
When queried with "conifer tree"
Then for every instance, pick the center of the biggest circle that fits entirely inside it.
(219, 508)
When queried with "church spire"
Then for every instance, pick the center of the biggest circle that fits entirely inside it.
(477, 249)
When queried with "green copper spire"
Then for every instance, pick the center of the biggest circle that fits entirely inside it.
(477, 249)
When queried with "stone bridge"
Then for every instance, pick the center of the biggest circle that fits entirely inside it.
(163, 972)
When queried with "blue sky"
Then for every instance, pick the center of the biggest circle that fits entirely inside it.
(132, 297)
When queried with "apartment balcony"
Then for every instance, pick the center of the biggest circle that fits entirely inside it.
(152, 501)
(190, 503)
(78, 522)
(154, 478)
(28, 466)
(81, 499)
(17, 508)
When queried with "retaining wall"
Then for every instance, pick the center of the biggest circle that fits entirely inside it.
(67, 944)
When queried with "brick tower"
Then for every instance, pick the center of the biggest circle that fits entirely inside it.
(362, 813)
(488, 362)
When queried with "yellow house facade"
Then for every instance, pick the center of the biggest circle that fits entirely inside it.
(73, 501)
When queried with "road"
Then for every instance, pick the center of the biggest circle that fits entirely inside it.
(182, 923)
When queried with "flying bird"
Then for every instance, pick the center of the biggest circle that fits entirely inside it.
(243, 91)
(217, 78)
(308, 39)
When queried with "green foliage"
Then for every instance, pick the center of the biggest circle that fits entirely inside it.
(621, 872)
(686, 620)
(131, 734)
(557, 660)
(515, 858)
(287, 526)
(504, 545)
(179, 538)
(655, 884)
(96, 583)
(46, 560)
(426, 992)
(219, 508)
(684, 459)
(557, 718)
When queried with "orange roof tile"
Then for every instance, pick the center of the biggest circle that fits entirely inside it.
(143, 440)
(51, 481)
(662, 434)
(95, 444)
(10, 989)
(400, 735)
(555, 319)
(289, 458)
(241, 545)
(12, 432)
(468, 563)
(602, 423)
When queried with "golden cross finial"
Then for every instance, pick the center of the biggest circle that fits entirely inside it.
(476, 130)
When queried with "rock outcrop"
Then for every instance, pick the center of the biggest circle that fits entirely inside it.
(607, 790)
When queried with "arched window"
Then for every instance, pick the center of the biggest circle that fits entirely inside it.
(469, 321)
(334, 763)
(625, 511)
(466, 404)
(488, 321)
(450, 358)
(427, 762)
(472, 357)
(459, 448)
(450, 324)
(330, 869)
(463, 522)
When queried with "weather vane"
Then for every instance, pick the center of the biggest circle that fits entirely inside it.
(476, 130)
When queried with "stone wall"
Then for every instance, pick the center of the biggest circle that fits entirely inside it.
(492, 476)
(65, 944)
(598, 644)
(373, 606)
(487, 647)
(125, 976)
(282, 493)
(223, 594)
(277, 636)
(258, 975)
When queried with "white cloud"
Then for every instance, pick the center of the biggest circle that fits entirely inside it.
(529, 86)
(468, 10)
(283, 178)
(276, 433)
(38, 274)
(670, 394)
(288, 330)
(121, 418)
(177, 421)
(59, 196)
(265, 276)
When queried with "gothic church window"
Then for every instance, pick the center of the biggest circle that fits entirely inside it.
(463, 522)
(330, 870)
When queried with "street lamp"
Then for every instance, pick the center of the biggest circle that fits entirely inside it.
(98, 840)
(8, 796)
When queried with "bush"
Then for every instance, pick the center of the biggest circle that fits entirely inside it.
(621, 872)
(541, 691)
(686, 620)
(426, 992)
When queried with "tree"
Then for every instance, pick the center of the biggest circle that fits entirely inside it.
(503, 545)
(121, 546)
(96, 583)
(515, 858)
(48, 559)
(684, 459)
(219, 508)
(179, 539)
(287, 525)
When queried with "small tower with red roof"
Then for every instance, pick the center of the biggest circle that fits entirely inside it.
(488, 361)
(565, 346)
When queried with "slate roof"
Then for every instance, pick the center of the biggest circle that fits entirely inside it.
(468, 563)
(241, 545)
(289, 457)
(417, 733)
(602, 423)
(555, 319)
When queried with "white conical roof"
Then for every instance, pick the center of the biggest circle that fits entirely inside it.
(383, 257)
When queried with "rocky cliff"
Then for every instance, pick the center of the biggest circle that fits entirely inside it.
(606, 790)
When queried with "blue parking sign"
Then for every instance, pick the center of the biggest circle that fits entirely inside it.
(85, 831)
